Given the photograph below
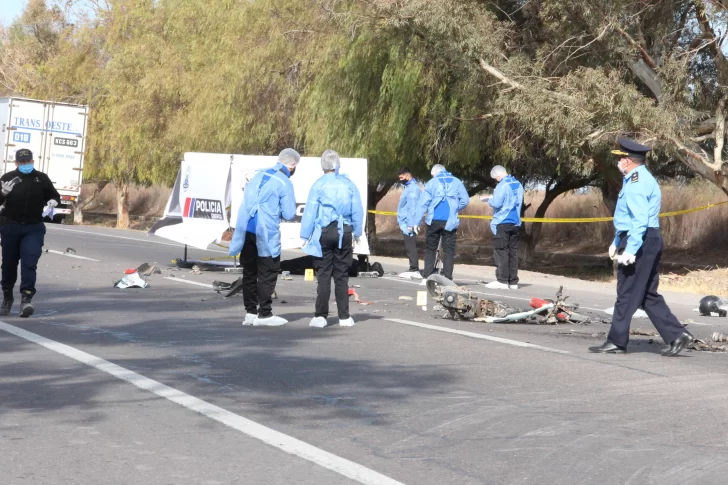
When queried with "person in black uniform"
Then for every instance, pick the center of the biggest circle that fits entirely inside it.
(24, 193)
(638, 247)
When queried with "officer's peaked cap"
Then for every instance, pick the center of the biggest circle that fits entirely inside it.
(632, 149)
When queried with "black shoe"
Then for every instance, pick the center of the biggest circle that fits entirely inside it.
(678, 344)
(26, 307)
(7, 303)
(608, 348)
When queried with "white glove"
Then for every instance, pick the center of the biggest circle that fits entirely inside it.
(410, 230)
(626, 258)
(357, 239)
(416, 230)
(7, 187)
(612, 251)
(52, 203)
(304, 242)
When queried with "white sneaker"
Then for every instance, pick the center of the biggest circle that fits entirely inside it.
(416, 275)
(318, 322)
(249, 318)
(349, 322)
(497, 285)
(512, 287)
(272, 321)
(406, 275)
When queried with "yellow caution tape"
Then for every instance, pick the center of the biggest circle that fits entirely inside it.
(565, 220)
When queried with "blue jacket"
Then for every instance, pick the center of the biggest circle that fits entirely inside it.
(638, 207)
(269, 195)
(506, 202)
(443, 187)
(407, 207)
(333, 197)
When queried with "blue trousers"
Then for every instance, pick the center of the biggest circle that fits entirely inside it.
(21, 243)
(637, 288)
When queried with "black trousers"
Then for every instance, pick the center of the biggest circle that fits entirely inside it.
(410, 247)
(260, 274)
(505, 253)
(21, 243)
(435, 232)
(637, 287)
(334, 263)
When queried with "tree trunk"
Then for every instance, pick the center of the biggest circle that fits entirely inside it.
(81, 204)
(529, 240)
(122, 205)
(375, 193)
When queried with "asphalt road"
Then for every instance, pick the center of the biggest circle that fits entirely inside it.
(164, 386)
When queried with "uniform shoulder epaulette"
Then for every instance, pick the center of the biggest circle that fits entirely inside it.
(635, 177)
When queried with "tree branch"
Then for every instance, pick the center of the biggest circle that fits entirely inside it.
(516, 85)
(645, 56)
(719, 132)
(702, 16)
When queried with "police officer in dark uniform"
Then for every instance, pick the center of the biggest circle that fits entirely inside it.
(638, 247)
(24, 193)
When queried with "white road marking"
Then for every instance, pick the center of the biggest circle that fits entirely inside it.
(53, 251)
(699, 323)
(269, 436)
(400, 280)
(481, 336)
(180, 280)
(129, 238)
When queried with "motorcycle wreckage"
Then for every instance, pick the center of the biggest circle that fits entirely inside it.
(463, 304)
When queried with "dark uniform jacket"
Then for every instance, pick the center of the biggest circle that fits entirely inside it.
(24, 204)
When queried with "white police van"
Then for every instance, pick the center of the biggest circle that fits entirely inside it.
(55, 133)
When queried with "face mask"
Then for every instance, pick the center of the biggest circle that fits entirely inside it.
(25, 169)
(291, 171)
(621, 167)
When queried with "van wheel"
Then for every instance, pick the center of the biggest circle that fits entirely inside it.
(59, 218)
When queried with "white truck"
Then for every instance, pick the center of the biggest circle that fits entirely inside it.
(55, 133)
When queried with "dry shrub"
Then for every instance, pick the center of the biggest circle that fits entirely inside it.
(703, 282)
(143, 201)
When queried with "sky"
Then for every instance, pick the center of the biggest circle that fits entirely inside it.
(11, 9)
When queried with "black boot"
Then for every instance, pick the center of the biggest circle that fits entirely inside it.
(26, 307)
(7, 302)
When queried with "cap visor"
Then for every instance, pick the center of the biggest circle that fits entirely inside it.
(620, 152)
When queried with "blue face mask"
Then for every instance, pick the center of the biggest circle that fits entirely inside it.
(25, 169)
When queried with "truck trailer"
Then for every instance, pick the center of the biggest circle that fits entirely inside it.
(55, 133)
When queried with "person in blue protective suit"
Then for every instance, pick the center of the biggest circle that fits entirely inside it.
(506, 202)
(268, 198)
(332, 222)
(25, 192)
(410, 228)
(638, 247)
(442, 200)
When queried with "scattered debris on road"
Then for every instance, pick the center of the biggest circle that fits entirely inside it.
(643, 332)
(352, 292)
(286, 276)
(232, 288)
(703, 346)
(146, 269)
(719, 337)
(406, 298)
(131, 281)
(70, 251)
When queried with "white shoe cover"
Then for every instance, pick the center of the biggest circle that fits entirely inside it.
(318, 322)
(273, 321)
